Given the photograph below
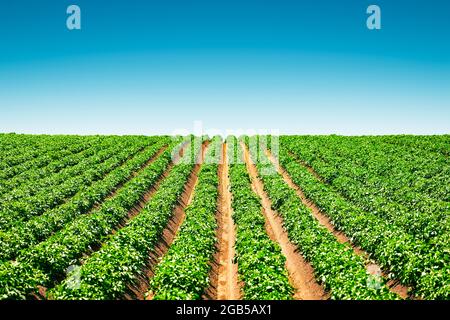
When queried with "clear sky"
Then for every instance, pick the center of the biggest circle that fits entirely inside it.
(157, 66)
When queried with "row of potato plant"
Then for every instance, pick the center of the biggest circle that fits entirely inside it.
(408, 260)
(261, 264)
(335, 264)
(183, 273)
(37, 229)
(44, 263)
(108, 273)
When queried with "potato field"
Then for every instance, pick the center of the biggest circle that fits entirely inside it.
(253, 218)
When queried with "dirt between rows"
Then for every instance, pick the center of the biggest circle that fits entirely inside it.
(140, 290)
(301, 273)
(393, 285)
(134, 174)
(225, 284)
(134, 211)
(224, 274)
(138, 207)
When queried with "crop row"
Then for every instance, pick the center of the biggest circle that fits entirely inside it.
(431, 225)
(434, 143)
(41, 157)
(47, 176)
(410, 261)
(11, 142)
(32, 147)
(16, 190)
(336, 266)
(107, 273)
(394, 169)
(43, 263)
(399, 173)
(93, 169)
(261, 265)
(418, 215)
(41, 227)
(183, 273)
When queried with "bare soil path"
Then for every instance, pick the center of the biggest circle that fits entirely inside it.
(138, 207)
(227, 287)
(301, 273)
(168, 236)
(394, 286)
(134, 174)
(133, 212)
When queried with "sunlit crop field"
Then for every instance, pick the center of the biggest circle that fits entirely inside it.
(261, 217)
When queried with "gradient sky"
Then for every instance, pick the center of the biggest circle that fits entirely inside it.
(151, 67)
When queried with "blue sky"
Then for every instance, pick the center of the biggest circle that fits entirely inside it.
(152, 67)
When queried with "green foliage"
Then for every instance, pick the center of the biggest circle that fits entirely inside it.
(64, 201)
(183, 273)
(336, 265)
(25, 234)
(35, 198)
(414, 262)
(261, 265)
(107, 273)
(54, 255)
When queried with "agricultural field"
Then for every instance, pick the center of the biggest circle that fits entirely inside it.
(253, 218)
